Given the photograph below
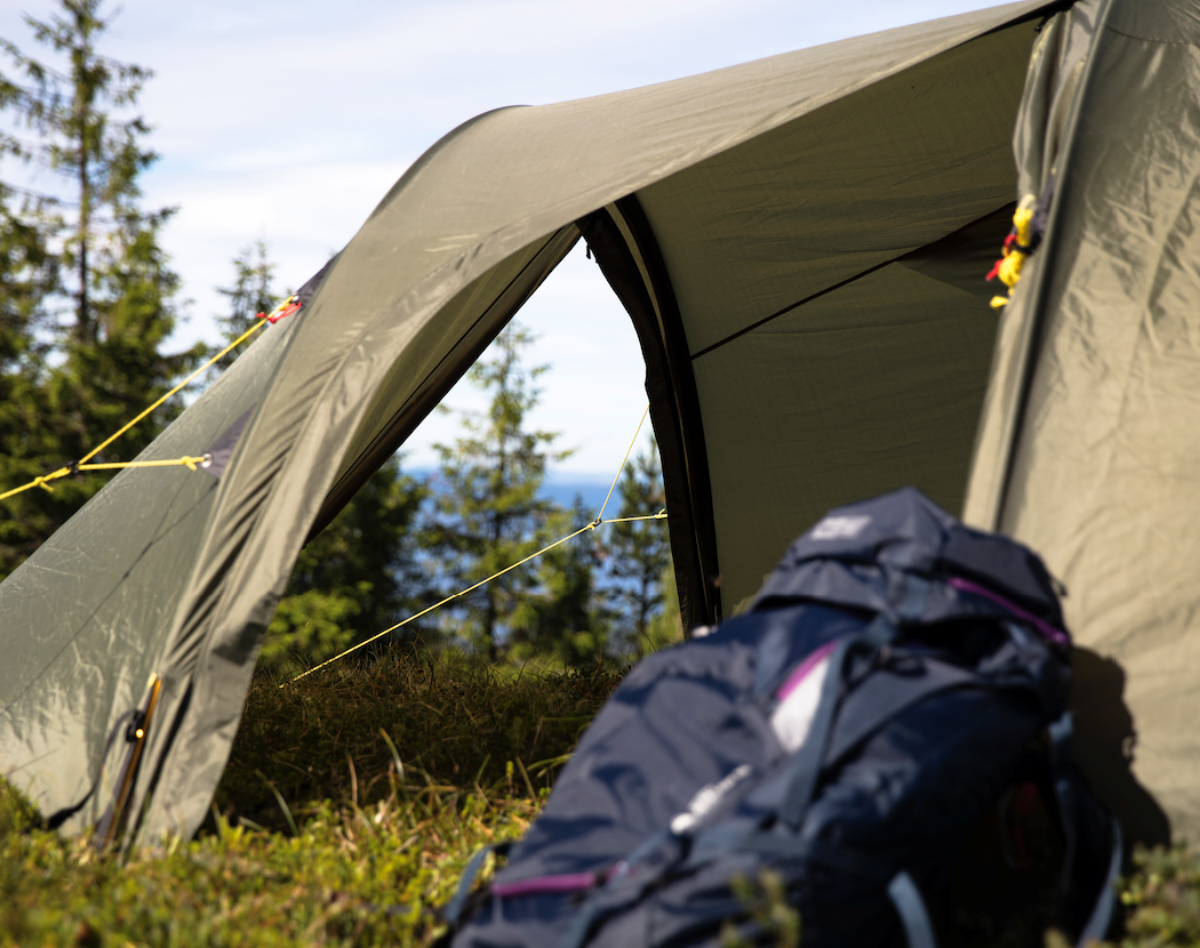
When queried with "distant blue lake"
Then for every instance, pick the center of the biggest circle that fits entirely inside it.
(592, 491)
(562, 489)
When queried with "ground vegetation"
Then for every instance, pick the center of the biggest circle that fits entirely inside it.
(344, 814)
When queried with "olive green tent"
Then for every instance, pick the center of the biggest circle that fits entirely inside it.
(800, 243)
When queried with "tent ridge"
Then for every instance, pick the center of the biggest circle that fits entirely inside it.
(807, 106)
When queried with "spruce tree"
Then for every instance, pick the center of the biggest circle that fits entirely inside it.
(490, 512)
(564, 619)
(251, 293)
(27, 447)
(110, 311)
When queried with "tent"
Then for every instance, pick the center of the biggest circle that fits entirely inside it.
(799, 242)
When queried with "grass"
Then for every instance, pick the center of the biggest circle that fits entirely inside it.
(412, 718)
(353, 799)
(351, 876)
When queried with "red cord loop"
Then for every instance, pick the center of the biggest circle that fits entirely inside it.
(285, 309)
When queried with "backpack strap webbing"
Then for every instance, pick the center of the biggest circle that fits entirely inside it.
(1064, 792)
(454, 908)
(906, 897)
(811, 757)
(1101, 917)
(628, 883)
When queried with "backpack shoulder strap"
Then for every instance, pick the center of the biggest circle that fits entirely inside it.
(453, 911)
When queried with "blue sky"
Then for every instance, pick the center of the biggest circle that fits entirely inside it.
(288, 121)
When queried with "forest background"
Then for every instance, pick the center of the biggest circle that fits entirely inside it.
(319, 826)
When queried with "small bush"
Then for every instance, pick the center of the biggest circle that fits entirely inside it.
(351, 876)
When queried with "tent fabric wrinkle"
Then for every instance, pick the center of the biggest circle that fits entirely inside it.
(89, 613)
(221, 450)
(1100, 425)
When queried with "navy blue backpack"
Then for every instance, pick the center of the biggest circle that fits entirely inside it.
(899, 683)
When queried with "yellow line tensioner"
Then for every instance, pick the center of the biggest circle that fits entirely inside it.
(288, 306)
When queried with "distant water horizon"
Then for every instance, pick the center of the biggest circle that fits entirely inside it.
(561, 487)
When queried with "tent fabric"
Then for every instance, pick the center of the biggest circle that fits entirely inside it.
(1088, 447)
(798, 241)
(86, 617)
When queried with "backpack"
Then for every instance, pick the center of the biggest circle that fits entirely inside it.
(899, 682)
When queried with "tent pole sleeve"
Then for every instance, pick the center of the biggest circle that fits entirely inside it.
(987, 496)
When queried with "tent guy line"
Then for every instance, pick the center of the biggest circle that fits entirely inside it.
(191, 463)
(599, 521)
(286, 308)
(624, 461)
(661, 515)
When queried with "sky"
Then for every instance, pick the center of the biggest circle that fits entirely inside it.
(288, 122)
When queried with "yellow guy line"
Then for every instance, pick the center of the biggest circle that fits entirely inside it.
(661, 515)
(182, 385)
(600, 515)
(188, 462)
